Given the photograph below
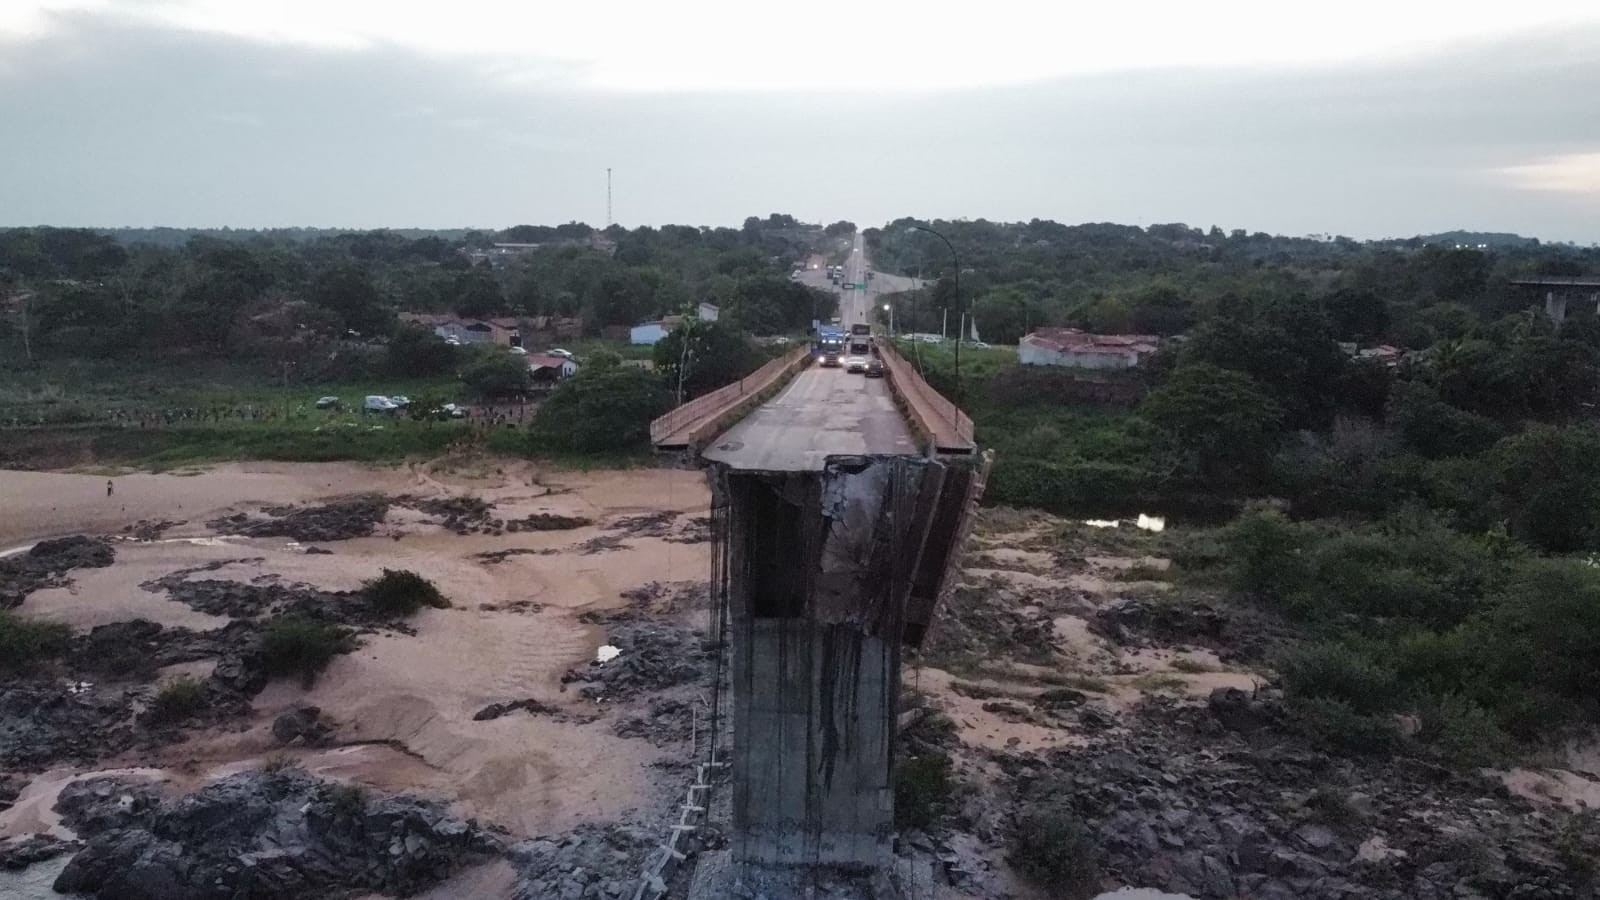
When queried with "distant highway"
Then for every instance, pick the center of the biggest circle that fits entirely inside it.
(857, 305)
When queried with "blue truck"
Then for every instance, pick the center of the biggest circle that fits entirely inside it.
(829, 345)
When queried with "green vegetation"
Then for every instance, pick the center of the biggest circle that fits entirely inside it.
(497, 375)
(1485, 643)
(700, 357)
(923, 790)
(398, 592)
(599, 410)
(24, 644)
(178, 700)
(1051, 845)
(301, 647)
(348, 800)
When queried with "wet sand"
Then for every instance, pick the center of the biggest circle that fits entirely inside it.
(403, 704)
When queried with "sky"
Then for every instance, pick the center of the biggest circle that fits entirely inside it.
(1369, 119)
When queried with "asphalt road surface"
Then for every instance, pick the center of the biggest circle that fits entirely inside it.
(857, 305)
(822, 413)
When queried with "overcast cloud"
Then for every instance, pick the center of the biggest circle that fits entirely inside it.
(177, 114)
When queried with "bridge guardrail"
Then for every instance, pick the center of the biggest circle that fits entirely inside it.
(940, 421)
(680, 425)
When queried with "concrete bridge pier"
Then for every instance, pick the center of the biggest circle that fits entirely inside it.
(821, 573)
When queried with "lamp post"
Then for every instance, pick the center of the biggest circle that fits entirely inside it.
(889, 308)
(957, 259)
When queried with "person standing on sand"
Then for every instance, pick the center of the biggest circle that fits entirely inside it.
(108, 487)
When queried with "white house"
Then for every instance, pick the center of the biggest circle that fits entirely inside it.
(1081, 350)
(467, 331)
(652, 332)
(708, 312)
(551, 368)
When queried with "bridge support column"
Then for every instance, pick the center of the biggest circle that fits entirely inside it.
(818, 576)
(1555, 306)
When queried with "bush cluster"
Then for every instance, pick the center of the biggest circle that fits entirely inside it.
(1481, 642)
(398, 592)
(178, 700)
(923, 789)
(24, 644)
(1050, 844)
(302, 647)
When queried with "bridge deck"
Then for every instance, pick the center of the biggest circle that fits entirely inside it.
(822, 413)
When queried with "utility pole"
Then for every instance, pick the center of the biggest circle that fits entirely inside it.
(609, 221)
(944, 323)
(24, 298)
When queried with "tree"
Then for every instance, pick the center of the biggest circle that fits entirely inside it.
(416, 351)
(1545, 485)
(477, 294)
(840, 228)
(1004, 316)
(600, 409)
(348, 291)
(1359, 316)
(1285, 345)
(1218, 427)
(497, 374)
(702, 356)
(1160, 309)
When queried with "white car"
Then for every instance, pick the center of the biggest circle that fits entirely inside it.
(520, 351)
(855, 364)
(377, 403)
(564, 354)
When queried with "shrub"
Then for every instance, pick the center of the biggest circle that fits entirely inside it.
(348, 800)
(1338, 725)
(1070, 487)
(1265, 548)
(1463, 732)
(496, 374)
(1051, 845)
(24, 644)
(293, 645)
(604, 410)
(398, 592)
(278, 763)
(922, 789)
(179, 700)
(1333, 671)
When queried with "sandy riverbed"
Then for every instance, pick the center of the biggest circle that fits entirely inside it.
(406, 702)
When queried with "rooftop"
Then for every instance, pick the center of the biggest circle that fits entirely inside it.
(1583, 281)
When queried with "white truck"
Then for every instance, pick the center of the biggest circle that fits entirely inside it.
(377, 403)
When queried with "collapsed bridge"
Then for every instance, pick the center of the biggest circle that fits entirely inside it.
(839, 505)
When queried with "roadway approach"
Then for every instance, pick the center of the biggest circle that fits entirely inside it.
(839, 507)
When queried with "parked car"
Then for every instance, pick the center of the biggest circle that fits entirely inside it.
(520, 351)
(874, 368)
(328, 403)
(978, 345)
(564, 354)
(400, 401)
(454, 410)
(377, 403)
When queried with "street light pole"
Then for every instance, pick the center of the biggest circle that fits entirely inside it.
(957, 258)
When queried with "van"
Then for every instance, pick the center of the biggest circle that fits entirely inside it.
(377, 403)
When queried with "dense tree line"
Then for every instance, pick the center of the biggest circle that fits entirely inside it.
(291, 293)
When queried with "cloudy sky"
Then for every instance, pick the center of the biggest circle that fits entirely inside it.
(1364, 118)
